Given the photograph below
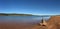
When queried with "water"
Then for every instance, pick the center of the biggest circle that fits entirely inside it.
(21, 18)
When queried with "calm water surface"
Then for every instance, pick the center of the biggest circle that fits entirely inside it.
(21, 18)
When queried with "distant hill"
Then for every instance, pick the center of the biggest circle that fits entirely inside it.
(14, 14)
(4, 14)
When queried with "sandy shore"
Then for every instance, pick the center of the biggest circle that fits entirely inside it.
(16, 25)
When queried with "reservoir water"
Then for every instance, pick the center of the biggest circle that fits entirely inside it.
(21, 18)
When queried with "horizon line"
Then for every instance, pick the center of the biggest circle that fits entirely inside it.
(29, 13)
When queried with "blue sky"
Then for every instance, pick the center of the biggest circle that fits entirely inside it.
(36, 7)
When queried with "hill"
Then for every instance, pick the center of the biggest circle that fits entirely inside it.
(14, 14)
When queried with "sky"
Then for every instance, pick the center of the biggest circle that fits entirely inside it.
(36, 7)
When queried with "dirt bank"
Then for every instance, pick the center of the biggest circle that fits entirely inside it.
(54, 22)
